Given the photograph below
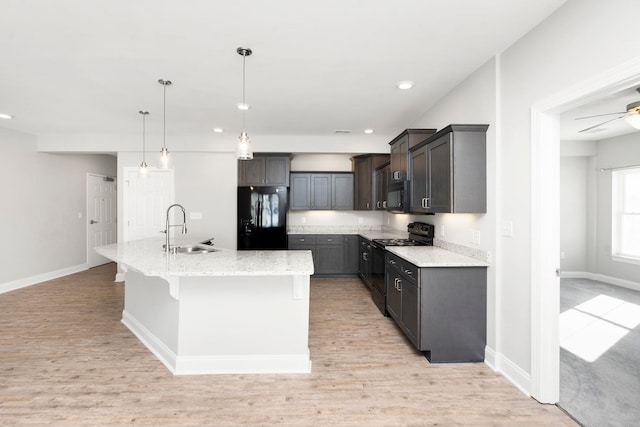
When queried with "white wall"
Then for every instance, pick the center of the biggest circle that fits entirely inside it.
(583, 39)
(43, 212)
(205, 182)
(614, 152)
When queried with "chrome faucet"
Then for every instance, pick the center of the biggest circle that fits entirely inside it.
(183, 225)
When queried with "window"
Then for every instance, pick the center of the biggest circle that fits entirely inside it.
(626, 215)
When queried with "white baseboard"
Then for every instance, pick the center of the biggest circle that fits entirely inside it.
(214, 364)
(33, 280)
(600, 278)
(501, 364)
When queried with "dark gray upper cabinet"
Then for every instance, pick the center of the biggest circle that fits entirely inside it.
(300, 192)
(321, 191)
(380, 186)
(448, 171)
(363, 169)
(400, 146)
(264, 170)
(418, 179)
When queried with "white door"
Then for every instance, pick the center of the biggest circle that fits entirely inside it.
(146, 199)
(101, 216)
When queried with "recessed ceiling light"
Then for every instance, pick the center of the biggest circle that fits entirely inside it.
(242, 106)
(5, 116)
(217, 130)
(368, 131)
(404, 85)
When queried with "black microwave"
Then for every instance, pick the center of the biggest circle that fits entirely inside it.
(398, 196)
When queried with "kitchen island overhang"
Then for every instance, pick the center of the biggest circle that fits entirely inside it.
(223, 312)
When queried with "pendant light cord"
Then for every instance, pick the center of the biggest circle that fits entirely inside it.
(244, 60)
(164, 115)
(144, 116)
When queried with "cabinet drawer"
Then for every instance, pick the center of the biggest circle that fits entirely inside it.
(302, 239)
(329, 239)
(401, 265)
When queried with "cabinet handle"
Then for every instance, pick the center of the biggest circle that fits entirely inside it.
(398, 284)
(384, 204)
(408, 272)
(378, 205)
(302, 240)
(428, 202)
(329, 240)
(364, 256)
(395, 283)
(392, 262)
(367, 205)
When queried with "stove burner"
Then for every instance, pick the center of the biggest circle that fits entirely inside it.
(398, 242)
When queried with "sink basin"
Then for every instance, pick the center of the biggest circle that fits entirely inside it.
(198, 248)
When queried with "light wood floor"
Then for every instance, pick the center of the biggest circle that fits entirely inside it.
(65, 359)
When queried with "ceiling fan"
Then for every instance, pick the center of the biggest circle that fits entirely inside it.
(631, 116)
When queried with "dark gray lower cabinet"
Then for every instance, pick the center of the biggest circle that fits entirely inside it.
(442, 310)
(333, 254)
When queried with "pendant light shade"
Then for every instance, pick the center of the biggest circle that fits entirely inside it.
(143, 166)
(243, 146)
(164, 153)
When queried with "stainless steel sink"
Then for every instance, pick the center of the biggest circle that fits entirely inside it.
(198, 248)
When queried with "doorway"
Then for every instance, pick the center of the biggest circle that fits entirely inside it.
(545, 214)
(101, 216)
(145, 201)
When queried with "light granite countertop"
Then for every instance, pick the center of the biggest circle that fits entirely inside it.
(433, 256)
(148, 257)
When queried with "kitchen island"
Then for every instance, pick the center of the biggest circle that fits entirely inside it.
(222, 312)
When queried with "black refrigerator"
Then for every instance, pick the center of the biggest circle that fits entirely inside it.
(262, 218)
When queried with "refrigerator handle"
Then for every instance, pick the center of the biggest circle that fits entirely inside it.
(259, 214)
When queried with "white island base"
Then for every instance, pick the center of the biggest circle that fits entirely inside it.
(221, 324)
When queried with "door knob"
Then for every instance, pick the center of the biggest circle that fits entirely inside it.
(93, 222)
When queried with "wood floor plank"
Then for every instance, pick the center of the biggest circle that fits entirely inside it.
(65, 359)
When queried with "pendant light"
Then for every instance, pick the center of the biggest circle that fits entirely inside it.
(164, 153)
(243, 147)
(143, 166)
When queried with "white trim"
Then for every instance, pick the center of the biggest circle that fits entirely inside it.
(39, 278)
(227, 364)
(156, 346)
(601, 278)
(545, 232)
(511, 371)
(545, 381)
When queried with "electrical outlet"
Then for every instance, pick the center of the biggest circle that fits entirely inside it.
(488, 256)
(474, 237)
(507, 228)
(303, 220)
(360, 220)
(562, 255)
(195, 215)
(442, 231)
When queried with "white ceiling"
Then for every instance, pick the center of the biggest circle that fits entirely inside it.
(88, 66)
(573, 126)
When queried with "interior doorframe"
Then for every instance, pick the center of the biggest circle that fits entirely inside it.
(87, 208)
(545, 220)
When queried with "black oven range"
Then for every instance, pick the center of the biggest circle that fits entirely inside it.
(420, 234)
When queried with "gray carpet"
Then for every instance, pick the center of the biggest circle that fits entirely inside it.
(605, 391)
